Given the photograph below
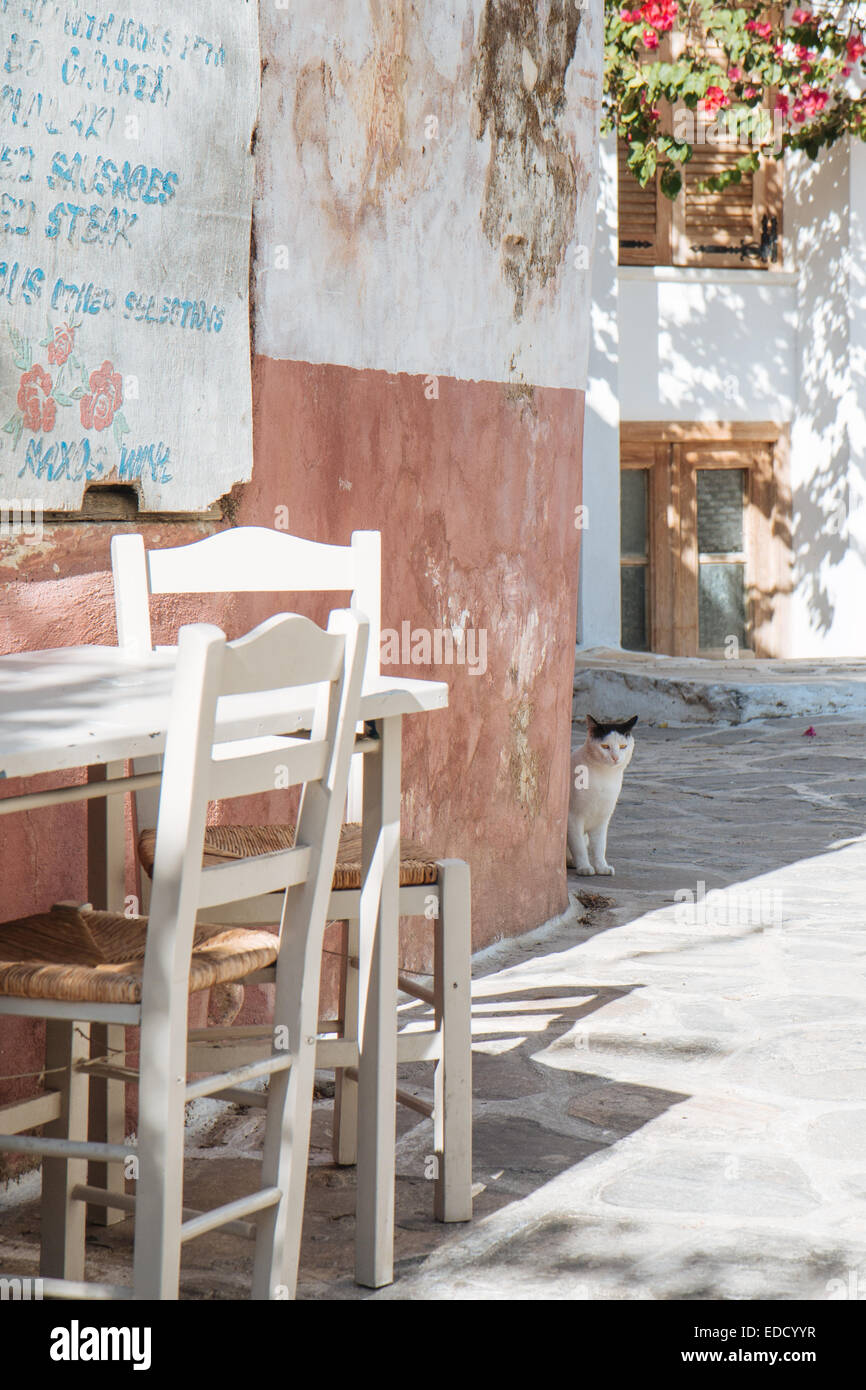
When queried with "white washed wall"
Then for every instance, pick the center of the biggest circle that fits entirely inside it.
(598, 594)
(825, 207)
(706, 344)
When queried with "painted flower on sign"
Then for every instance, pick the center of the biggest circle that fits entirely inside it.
(60, 349)
(99, 408)
(34, 400)
(97, 393)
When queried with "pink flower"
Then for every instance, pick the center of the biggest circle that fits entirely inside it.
(659, 13)
(749, 92)
(809, 103)
(782, 104)
(64, 341)
(846, 71)
(650, 38)
(803, 17)
(714, 99)
(815, 100)
(99, 408)
(762, 30)
(629, 16)
(735, 73)
(855, 48)
(35, 400)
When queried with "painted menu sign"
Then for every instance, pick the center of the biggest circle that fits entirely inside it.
(126, 182)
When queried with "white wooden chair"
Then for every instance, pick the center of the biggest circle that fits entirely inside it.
(257, 559)
(75, 967)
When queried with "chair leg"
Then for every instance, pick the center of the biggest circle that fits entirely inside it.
(288, 1116)
(452, 1112)
(107, 1120)
(159, 1189)
(345, 1135)
(62, 1240)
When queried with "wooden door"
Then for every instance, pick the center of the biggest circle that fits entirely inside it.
(705, 540)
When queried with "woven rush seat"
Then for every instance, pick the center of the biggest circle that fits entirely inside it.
(223, 843)
(77, 954)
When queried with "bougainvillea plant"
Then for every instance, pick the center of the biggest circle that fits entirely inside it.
(769, 78)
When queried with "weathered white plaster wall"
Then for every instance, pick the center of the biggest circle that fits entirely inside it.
(598, 594)
(825, 207)
(414, 133)
(706, 344)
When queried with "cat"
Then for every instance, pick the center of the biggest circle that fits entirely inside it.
(596, 782)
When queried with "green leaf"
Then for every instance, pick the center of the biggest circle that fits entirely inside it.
(22, 355)
(62, 398)
(14, 426)
(77, 393)
(671, 181)
(121, 423)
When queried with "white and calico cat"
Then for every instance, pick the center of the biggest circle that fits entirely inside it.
(596, 782)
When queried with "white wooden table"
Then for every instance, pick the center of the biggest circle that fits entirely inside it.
(98, 707)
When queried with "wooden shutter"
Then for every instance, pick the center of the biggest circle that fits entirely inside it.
(641, 218)
(644, 213)
(710, 228)
(706, 223)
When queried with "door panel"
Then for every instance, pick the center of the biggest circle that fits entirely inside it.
(705, 539)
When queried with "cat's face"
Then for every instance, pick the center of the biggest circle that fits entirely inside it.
(611, 743)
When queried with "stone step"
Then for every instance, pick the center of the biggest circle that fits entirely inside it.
(692, 690)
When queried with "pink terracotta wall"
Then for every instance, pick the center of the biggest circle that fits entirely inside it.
(474, 494)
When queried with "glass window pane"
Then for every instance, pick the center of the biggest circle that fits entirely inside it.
(632, 588)
(633, 533)
(720, 510)
(721, 605)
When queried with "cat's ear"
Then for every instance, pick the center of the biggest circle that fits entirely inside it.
(592, 725)
(629, 724)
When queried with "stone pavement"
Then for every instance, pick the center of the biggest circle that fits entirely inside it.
(670, 1095)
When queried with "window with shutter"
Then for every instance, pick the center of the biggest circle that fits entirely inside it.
(739, 226)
